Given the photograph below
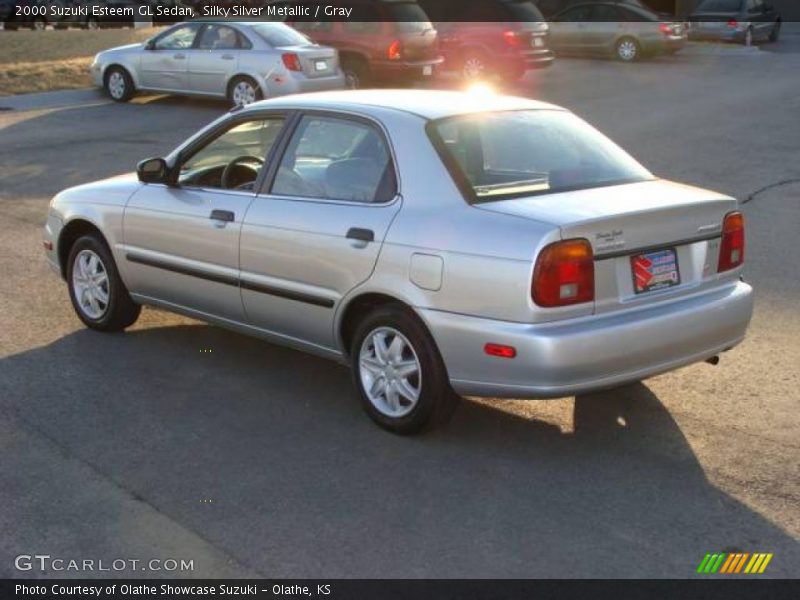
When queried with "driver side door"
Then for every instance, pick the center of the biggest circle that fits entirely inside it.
(181, 241)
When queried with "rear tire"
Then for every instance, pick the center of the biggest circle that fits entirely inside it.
(474, 67)
(244, 90)
(356, 73)
(119, 84)
(399, 374)
(627, 49)
(776, 32)
(98, 295)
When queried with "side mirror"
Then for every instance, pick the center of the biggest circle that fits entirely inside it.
(153, 170)
(150, 44)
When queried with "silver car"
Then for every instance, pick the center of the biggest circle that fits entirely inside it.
(441, 243)
(243, 62)
(625, 31)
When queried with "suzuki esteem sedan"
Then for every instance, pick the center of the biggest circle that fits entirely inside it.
(441, 243)
(242, 62)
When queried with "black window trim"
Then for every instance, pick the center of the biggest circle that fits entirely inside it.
(265, 190)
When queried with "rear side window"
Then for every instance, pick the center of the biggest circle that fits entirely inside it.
(336, 159)
(604, 13)
(409, 17)
(512, 154)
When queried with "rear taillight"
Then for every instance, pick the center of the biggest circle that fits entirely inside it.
(665, 28)
(731, 249)
(733, 23)
(291, 61)
(511, 38)
(564, 274)
(395, 50)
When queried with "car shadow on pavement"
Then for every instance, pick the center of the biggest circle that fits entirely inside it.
(265, 453)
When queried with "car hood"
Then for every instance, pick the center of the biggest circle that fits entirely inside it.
(114, 190)
(121, 49)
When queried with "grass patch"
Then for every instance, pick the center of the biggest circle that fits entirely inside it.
(42, 61)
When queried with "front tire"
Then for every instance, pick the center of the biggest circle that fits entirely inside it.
(398, 373)
(119, 84)
(243, 91)
(98, 295)
(628, 50)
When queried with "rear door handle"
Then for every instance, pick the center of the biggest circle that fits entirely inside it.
(227, 57)
(362, 235)
(225, 216)
(179, 56)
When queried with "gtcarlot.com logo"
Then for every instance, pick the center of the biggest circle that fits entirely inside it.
(734, 563)
(45, 562)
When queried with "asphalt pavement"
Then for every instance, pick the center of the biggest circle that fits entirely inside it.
(254, 460)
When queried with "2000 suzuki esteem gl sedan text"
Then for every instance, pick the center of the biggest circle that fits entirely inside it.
(442, 243)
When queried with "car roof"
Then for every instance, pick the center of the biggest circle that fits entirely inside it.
(428, 104)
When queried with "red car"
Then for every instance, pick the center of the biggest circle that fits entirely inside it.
(380, 40)
(491, 38)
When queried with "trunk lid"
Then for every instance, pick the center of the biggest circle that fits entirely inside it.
(316, 61)
(624, 222)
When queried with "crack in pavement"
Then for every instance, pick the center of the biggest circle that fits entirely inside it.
(766, 188)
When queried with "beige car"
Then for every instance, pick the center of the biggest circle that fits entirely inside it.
(624, 31)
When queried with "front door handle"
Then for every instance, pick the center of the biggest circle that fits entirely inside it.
(362, 235)
(225, 216)
(179, 56)
(228, 57)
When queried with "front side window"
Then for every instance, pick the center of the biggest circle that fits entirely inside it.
(180, 38)
(511, 154)
(234, 159)
(336, 159)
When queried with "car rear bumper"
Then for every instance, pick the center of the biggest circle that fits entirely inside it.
(418, 69)
(50, 233)
(592, 353)
(666, 44)
(300, 85)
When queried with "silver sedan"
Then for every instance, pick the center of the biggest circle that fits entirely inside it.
(440, 243)
(243, 62)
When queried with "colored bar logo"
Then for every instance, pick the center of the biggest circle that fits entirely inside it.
(734, 563)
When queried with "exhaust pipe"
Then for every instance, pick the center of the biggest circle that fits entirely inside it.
(714, 360)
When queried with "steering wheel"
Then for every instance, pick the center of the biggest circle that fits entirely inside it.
(228, 171)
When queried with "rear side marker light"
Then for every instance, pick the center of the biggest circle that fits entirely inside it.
(500, 351)
(665, 28)
(733, 24)
(48, 246)
(731, 248)
(564, 274)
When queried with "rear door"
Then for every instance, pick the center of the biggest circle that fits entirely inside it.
(215, 57)
(166, 65)
(315, 232)
(607, 24)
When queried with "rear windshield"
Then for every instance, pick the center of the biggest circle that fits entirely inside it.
(523, 10)
(409, 17)
(511, 154)
(720, 6)
(278, 35)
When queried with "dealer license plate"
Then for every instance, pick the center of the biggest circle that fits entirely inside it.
(537, 42)
(655, 270)
(427, 71)
(320, 65)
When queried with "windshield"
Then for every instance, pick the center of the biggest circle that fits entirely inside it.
(278, 35)
(720, 6)
(508, 154)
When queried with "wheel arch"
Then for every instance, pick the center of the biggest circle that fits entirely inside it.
(360, 305)
(70, 233)
(131, 72)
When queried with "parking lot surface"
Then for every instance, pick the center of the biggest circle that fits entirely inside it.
(253, 460)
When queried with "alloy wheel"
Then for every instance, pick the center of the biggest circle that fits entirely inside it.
(473, 68)
(244, 93)
(116, 85)
(627, 50)
(90, 284)
(390, 372)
